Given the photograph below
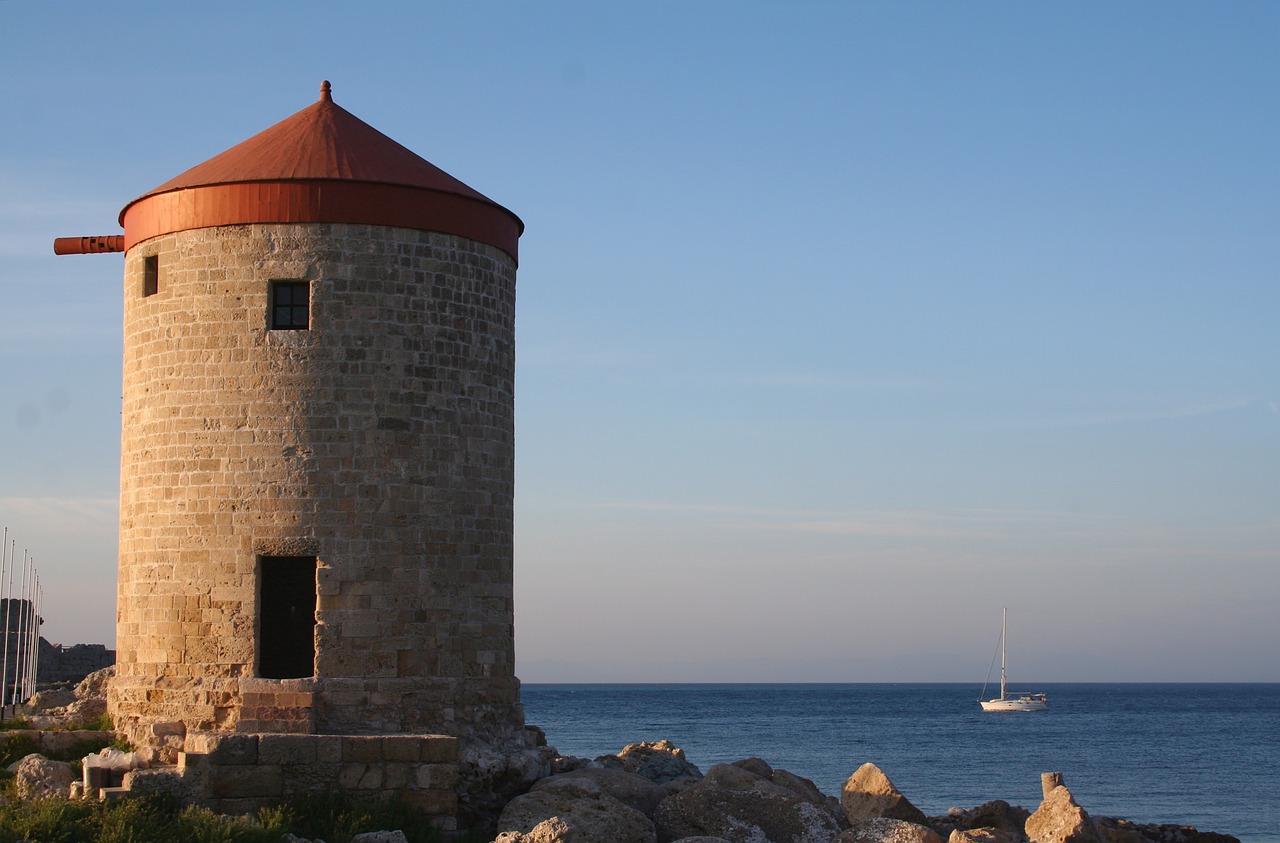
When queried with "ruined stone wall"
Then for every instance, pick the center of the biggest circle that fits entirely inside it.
(71, 664)
(379, 441)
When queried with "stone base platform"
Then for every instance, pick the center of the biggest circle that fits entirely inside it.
(238, 774)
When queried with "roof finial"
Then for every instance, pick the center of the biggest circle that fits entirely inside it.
(326, 90)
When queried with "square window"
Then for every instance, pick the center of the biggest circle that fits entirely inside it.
(290, 305)
(150, 275)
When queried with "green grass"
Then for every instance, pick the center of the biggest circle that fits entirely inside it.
(333, 818)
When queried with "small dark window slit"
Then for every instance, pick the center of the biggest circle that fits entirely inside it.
(150, 275)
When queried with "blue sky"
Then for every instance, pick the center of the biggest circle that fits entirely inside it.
(841, 325)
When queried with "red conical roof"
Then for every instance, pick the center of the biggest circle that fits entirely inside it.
(322, 164)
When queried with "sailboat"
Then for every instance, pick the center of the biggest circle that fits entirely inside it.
(1004, 702)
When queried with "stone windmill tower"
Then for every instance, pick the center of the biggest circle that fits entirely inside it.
(317, 455)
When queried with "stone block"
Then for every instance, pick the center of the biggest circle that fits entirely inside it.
(328, 749)
(311, 778)
(362, 748)
(433, 803)
(224, 750)
(360, 776)
(166, 782)
(286, 749)
(402, 747)
(435, 777)
(397, 776)
(111, 794)
(258, 781)
(439, 749)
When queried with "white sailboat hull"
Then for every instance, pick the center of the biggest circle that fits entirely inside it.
(1030, 702)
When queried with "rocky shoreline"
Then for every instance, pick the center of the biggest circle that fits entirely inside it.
(650, 793)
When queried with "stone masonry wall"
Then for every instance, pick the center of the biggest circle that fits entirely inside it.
(59, 663)
(380, 441)
(238, 774)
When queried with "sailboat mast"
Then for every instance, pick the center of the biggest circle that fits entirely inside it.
(1004, 613)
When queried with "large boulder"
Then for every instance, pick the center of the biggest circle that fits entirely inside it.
(746, 802)
(660, 761)
(887, 830)
(593, 815)
(868, 794)
(40, 778)
(492, 773)
(629, 788)
(1060, 820)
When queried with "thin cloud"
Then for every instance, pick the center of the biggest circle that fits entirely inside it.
(1154, 415)
(977, 523)
(879, 527)
(67, 516)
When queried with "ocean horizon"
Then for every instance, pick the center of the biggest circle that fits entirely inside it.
(1186, 753)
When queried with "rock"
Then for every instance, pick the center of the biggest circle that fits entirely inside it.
(492, 774)
(568, 763)
(95, 684)
(996, 815)
(628, 788)
(749, 801)
(554, 830)
(381, 837)
(1060, 820)
(165, 781)
(1124, 831)
(661, 761)
(40, 778)
(43, 701)
(985, 835)
(86, 703)
(701, 839)
(868, 793)
(594, 816)
(888, 830)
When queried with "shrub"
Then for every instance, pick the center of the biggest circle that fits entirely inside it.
(339, 817)
(336, 818)
(46, 820)
(15, 748)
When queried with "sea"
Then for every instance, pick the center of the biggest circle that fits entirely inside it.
(1204, 755)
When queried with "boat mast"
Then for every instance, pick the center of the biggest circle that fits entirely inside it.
(1004, 613)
